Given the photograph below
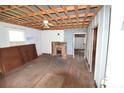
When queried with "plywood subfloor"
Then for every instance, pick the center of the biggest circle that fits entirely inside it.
(50, 72)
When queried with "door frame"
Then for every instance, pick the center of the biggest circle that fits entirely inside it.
(74, 41)
(93, 47)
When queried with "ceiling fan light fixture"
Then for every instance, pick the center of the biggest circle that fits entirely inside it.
(46, 26)
(45, 21)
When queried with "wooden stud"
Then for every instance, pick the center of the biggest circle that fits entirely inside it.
(86, 14)
(69, 8)
(76, 12)
(68, 21)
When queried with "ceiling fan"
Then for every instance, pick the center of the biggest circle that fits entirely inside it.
(46, 24)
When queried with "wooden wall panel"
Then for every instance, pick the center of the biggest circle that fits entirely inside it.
(13, 57)
(28, 52)
(10, 58)
(1, 69)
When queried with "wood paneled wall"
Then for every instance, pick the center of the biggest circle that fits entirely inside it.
(13, 57)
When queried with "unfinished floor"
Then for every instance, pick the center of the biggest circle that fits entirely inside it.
(50, 72)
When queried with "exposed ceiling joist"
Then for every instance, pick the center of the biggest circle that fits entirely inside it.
(61, 16)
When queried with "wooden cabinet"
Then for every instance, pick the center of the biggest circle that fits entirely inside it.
(28, 52)
(1, 70)
(13, 57)
(10, 58)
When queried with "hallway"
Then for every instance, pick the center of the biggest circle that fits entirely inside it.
(79, 52)
(51, 72)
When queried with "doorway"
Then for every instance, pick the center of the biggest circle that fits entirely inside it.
(94, 48)
(79, 44)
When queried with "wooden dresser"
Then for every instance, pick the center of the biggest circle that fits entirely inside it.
(13, 57)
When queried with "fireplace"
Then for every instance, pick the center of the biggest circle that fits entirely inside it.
(59, 49)
(59, 52)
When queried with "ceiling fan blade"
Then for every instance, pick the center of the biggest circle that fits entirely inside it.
(46, 26)
(42, 25)
(50, 24)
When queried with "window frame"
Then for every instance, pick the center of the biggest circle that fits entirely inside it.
(18, 42)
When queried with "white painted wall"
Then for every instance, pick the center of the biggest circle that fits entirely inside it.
(42, 39)
(4, 38)
(102, 21)
(66, 35)
(49, 36)
(115, 63)
(32, 36)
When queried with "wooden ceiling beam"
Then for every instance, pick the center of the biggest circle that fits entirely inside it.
(66, 12)
(58, 18)
(86, 14)
(10, 15)
(97, 10)
(9, 8)
(23, 20)
(76, 12)
(43, 9)
(33, 11)
(73, 16)
(63, 25)
(32, 18)
(4, 16)
(86, 23)
(69, 8)
(29, 8)
(25, 16)
(74, 21)
(60, 27)
(53, 8)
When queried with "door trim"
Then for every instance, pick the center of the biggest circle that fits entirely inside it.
(74, 41)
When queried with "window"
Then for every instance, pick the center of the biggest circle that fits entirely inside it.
(16, 38)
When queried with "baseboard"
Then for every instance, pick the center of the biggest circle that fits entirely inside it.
(46, 54)
(95, 84)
